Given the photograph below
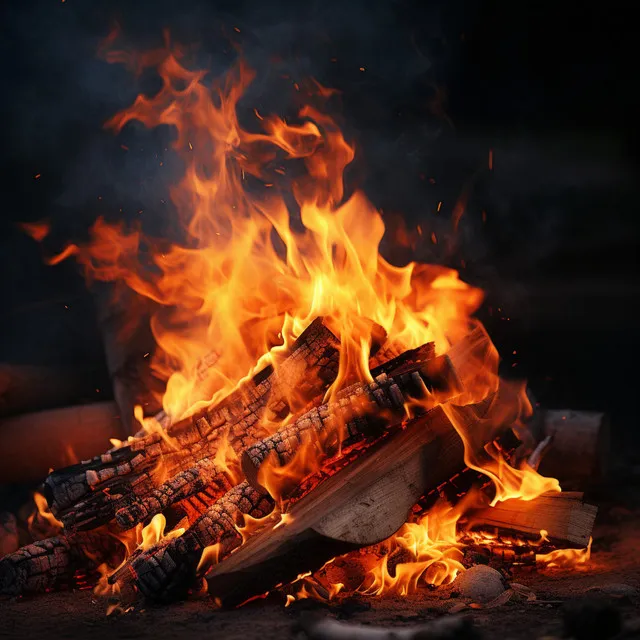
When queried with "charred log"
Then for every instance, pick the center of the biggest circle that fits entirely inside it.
(166, 571)
(52, 563)
(87, 495)
(359, 411)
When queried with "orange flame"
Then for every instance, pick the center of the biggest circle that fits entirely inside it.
(433, 554)
(565, 558)
(252, 273)
(37, 230)
(42, 518)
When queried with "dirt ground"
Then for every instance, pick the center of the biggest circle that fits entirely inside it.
(613, 576)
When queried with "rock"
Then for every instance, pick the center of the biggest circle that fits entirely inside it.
(591, 619)
(480, 583)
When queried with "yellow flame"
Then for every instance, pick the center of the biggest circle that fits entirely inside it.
(565, 558)
(154, 533)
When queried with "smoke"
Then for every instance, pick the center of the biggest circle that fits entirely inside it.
(62, 92)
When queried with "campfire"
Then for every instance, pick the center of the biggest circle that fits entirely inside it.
(331, 423)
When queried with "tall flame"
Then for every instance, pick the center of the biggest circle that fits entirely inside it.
(256, 265)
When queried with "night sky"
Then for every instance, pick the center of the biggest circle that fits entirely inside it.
(551, 90)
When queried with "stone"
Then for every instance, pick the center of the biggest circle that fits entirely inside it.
(480, 583)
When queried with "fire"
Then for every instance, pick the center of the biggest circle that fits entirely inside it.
(274, 236)
(431, 550)
(565, 558)
(42, 519)
(37, 230)
(255, 268)
(307, 586)
(154, 532)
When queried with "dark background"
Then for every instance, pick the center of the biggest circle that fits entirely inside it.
(550, 87)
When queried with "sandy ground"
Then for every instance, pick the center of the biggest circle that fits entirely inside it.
(613, 576)
(616, 560)
(79, 615)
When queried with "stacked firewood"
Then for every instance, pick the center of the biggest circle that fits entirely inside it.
(210, 472)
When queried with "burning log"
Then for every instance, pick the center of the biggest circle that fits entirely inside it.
(359, 411)
(206, 475)
(362, 504)
(88, 495)
(500, 555)
(52, 563)
(219, 524)
(564, 516)
(167, 570)
(88, 427)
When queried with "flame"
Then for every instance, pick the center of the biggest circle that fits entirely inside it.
(272, 237)
(565, 558)
(37, 230)
(254, 268)
(154, 532)
(210, 556)
(311, 587)
(42, 521)
(433, 554)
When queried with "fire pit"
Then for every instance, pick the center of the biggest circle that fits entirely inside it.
(333, 427)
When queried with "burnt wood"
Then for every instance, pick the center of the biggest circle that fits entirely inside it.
(360, 505)
(53, 563)
(87, 495)
(359, 411)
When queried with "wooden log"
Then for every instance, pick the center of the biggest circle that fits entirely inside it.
(579, 446)
(52, 563)
(359, 411)
(206, 474)
(362, 504)
(88, 495)
(311, 366)
(167, 570)
(34, 443)
(218, 524)
(564, 516)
